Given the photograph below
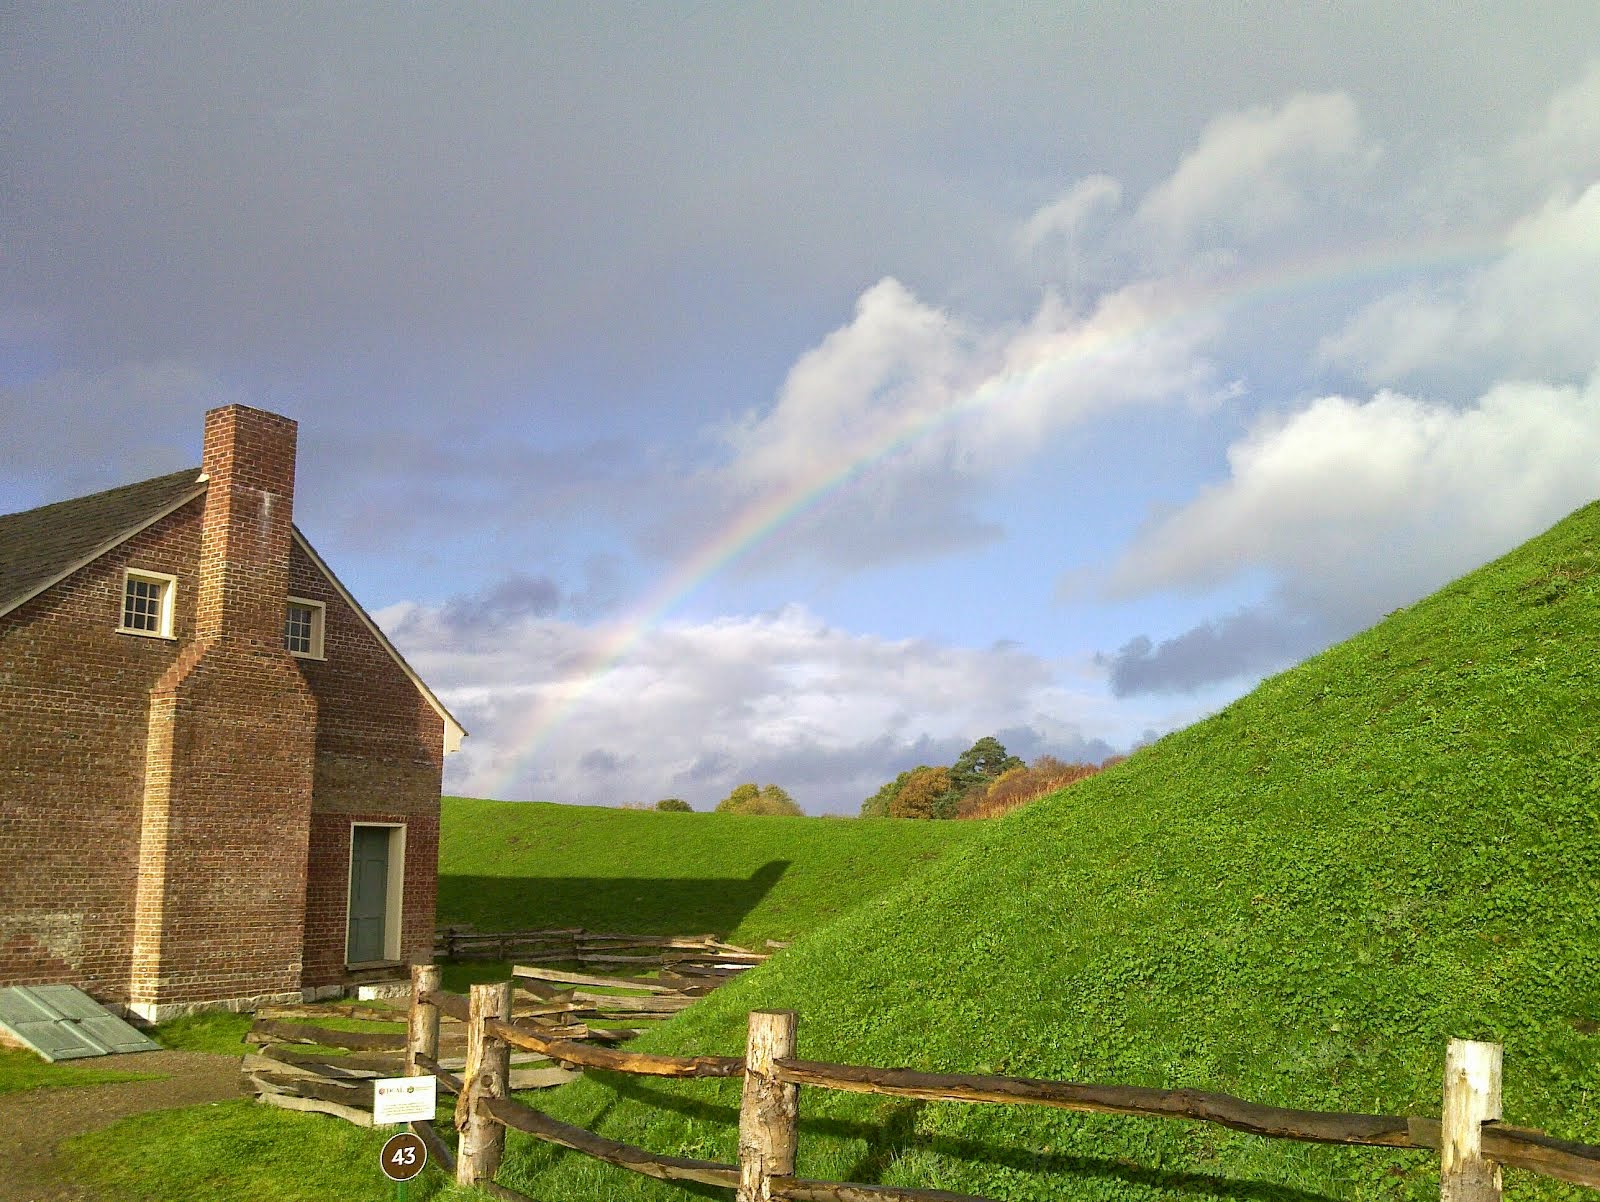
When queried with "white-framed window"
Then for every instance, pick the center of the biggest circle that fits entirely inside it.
(147, 603)
(302, 628)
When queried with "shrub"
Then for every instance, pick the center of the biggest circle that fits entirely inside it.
(752, 799)
(957, 792)
(1016, 787)
(881, 802)
(739, 801)
(674, 805)
(920, 795)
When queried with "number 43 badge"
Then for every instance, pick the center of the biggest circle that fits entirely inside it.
(403, 1156)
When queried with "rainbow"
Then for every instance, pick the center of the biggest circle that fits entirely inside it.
(769, 513)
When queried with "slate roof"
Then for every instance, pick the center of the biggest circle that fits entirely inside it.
(41, 546)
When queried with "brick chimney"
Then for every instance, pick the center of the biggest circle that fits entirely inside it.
(244, 543)
(230, 751)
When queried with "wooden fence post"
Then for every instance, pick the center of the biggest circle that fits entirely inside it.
(1471, 1098)
(487, 1074)
(422, 1022)
(769, 1114)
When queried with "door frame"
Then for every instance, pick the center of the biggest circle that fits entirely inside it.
(394, 891)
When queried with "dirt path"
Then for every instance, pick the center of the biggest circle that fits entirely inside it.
(34, 1121)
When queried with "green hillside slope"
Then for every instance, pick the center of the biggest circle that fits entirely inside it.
(525, 865)
(1298, 900)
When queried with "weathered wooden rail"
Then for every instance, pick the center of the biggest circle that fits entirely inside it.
(1470, 1139)
(288, 1073)
(700, 953)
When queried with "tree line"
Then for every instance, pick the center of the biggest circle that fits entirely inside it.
(748, 798)
(984, 782)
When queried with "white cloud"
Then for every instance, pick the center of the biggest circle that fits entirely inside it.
(695, 708)
(935, 405)
(1258, 170)
(1534, 311)
(1066, 219)
(1565, 146)
(897, 363)
(1360, 506)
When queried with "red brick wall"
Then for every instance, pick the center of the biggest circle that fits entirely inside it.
(220, 909)
(379, 758)
(74, 700)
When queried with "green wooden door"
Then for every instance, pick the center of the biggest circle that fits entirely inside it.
(369, 892)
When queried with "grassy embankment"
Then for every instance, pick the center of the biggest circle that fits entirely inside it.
(504, 866)
(1298, 900)
(516, 866)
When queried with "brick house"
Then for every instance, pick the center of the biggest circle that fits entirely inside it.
(219, 781)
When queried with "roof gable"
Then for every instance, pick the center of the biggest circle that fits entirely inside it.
(453, 730)
(39, 547)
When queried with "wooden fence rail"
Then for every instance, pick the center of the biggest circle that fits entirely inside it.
(1470, 1138)
(285, 1072)
(593, 947)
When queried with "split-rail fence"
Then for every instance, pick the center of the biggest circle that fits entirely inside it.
(1470, 1139)
(571, 1006)
(693, 955)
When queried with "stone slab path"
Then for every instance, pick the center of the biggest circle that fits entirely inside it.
(35, 1121)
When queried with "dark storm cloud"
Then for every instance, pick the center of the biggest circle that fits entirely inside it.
(518, 595)
(707, 766)
(601, 762)
(316, 178)
(1029, 744)
(337, 179)
(1245, 643)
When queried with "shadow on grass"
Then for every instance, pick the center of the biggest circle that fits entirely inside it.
(896, 1135)
(631, 905)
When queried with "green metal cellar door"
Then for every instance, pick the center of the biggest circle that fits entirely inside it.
(61, 1023)
(369, 892)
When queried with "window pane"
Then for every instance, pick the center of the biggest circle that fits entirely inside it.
(141, 605)
(297, 629)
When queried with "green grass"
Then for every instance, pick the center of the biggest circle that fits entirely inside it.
(1298, 900)
(460, 976)
(20, 1070)
(222, 1033)
(529, 865)
(217, 1032)
(234, 1151)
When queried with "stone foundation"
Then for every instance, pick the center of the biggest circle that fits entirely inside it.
(150, 1013)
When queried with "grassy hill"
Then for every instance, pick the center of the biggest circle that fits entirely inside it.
(521, 865)
(1298, 900)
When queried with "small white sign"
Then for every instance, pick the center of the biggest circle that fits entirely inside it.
(404, 1099)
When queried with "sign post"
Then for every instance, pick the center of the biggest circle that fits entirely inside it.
(403, 1100)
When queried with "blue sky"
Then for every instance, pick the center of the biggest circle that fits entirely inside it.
(701, 394)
